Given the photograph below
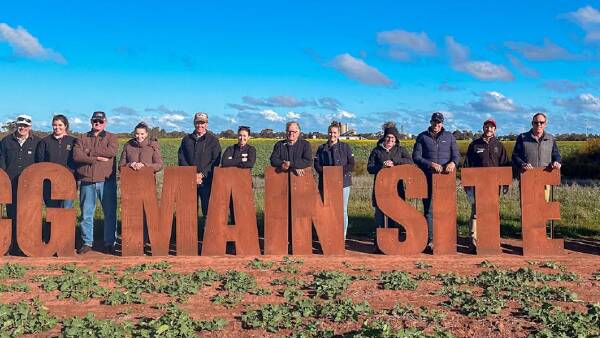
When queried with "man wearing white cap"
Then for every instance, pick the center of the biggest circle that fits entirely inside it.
(202, 150)
(17, 152)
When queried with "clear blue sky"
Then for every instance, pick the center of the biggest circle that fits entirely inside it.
(263, 63)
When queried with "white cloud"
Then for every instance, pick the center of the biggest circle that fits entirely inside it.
(493, 101)
(403, 44)
(271, 115)
(171, 118)
(76, 121)
(26, 45)
(343, 114)
(582, 103)
(357, 69)
(293, 116)
(483, 70)
(587, 18)
(548, 51)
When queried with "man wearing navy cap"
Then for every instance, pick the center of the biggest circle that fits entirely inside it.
(94, 155)
(435, 151)
(486, 151)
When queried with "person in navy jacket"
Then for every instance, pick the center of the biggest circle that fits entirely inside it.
(435, 151)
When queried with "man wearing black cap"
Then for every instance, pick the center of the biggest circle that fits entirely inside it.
(486, 151)
(94, 156)
(435, 151)
(202, 150)
(17, 152)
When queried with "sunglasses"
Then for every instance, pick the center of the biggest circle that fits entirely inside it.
(200, 122)
(97, 121)
(538, 123)
(22, 119)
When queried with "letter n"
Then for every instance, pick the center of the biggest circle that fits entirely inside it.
(535, 211)
(326, 214)
(392, 205)
(29, 211)
(178, 198)
(231, 184)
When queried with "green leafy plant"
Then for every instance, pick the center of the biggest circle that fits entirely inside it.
(14, 271)
(343, 310)
(397, 280)
(329, 284)
(88, 326)
(162, 265)
(77, 283)
(25, 317)
(258, 264)
(116, 297)
(176, 323)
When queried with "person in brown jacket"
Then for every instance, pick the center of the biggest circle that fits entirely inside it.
(94, 155)
(141, 152)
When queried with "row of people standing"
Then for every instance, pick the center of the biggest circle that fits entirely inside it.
(92, 159)
(436, 151)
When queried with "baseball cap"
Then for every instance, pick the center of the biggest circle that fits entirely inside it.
(203, 117)
(437, 116)
(24, 120)
(490, 120)
(98, 115)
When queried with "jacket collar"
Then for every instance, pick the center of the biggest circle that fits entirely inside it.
(14, 135)
(438, 134)
(101, 134)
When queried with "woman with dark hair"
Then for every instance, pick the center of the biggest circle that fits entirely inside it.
(141, 152)
(241, 154)
(57, 148)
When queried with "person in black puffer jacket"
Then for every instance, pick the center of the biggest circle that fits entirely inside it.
(202, 150)
(386, 154)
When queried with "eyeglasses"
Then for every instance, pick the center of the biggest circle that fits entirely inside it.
(200, 122)
(538, 123)
(293, 131)
(97, 121)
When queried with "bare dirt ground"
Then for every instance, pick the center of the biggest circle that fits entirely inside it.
(581, 257)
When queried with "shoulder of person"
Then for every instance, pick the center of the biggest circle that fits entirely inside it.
(154, 143)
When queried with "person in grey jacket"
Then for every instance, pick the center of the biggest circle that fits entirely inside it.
(435, 151)
(536, 148)
(386, 154)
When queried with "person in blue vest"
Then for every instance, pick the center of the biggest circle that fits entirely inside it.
(435, 151)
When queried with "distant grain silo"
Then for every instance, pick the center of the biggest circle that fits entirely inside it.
(344, 128)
